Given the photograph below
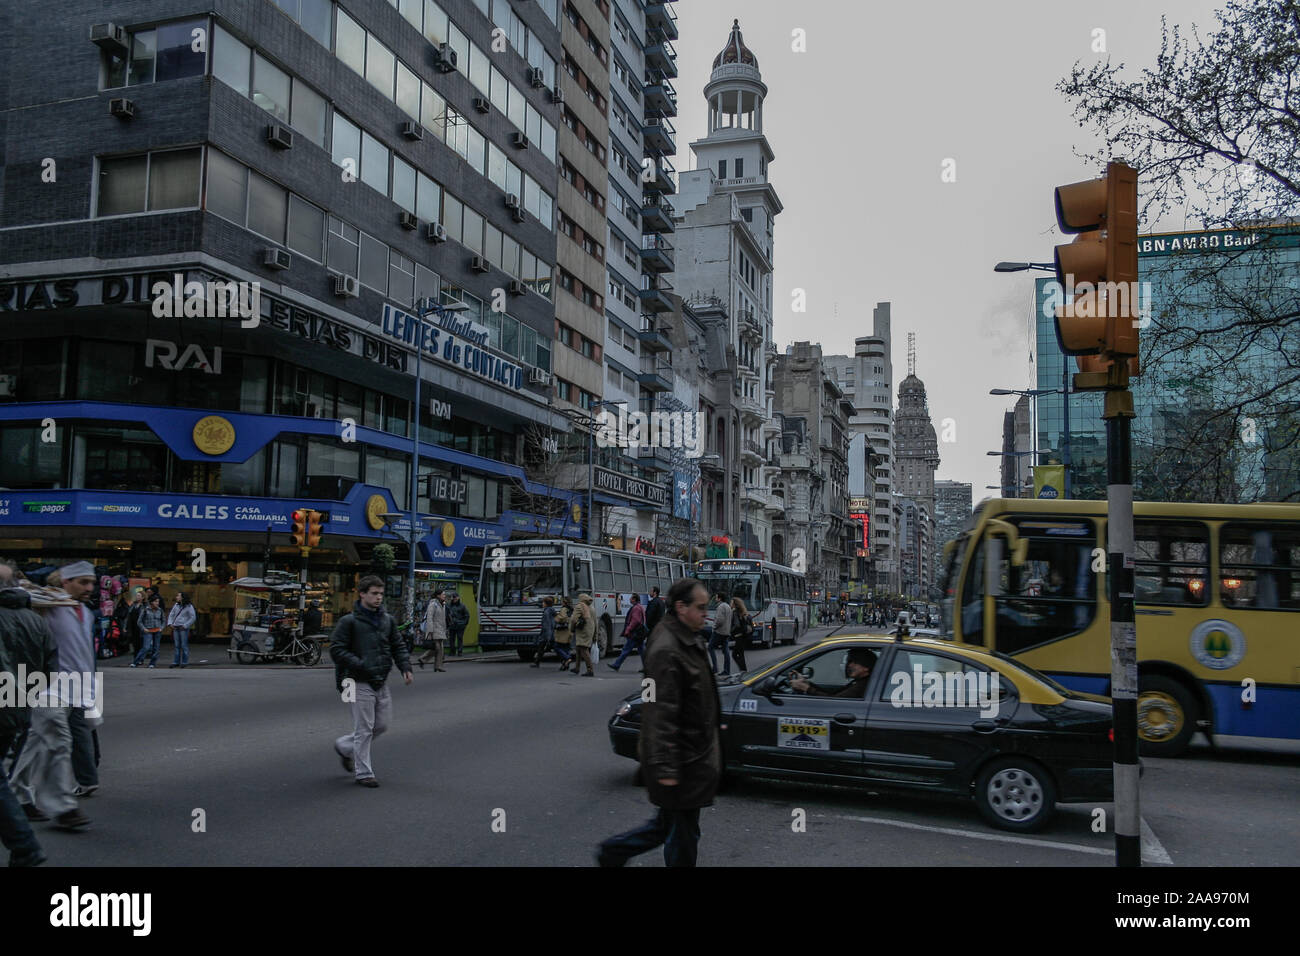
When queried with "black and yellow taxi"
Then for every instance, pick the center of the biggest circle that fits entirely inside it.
(916, 714)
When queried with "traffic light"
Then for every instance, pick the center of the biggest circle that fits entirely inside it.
(299, 518)
(313, 528)
(1099, 268)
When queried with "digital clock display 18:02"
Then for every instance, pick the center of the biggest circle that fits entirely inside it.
(446, 489)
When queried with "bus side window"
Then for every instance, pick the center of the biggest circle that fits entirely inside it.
(972, 598)
(1260, 567)
(1171, 562)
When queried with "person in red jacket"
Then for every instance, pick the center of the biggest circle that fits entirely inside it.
(634, 633)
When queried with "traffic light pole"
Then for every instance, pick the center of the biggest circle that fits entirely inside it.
(302, 591)
(1123, 631)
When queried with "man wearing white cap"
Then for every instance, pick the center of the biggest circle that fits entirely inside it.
(43, 777)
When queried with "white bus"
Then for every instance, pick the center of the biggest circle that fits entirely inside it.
(776, 596)
(510, 598)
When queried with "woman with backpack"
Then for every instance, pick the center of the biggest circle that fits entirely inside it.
(742, 626)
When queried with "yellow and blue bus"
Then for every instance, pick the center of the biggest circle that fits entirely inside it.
(1217, 600)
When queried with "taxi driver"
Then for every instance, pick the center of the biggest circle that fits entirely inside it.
(857, 668)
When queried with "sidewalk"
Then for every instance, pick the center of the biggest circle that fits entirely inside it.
(212, 655)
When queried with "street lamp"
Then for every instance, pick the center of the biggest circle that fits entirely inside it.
(1023, 266)
(423, 307)
(591, 468)
(1064, 392)
(1016, 455)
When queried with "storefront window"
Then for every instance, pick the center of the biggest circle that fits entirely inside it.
(119, 459)
(246, 478)
(391, 472)
(285, 461)
(28, 462)
(397, 415)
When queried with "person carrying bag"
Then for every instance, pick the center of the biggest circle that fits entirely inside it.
(564, 632)
(741, 627)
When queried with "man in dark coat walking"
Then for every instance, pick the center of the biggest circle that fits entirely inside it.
(680, 744)
(365, 645)
(457, 621)
(26, 643)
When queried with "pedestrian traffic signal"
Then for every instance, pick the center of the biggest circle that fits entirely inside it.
(313, 528)
(1099, 269)
(299, 519)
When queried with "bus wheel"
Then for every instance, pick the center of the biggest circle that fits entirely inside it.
(606, 641)
(1166, 716)
(525, 654)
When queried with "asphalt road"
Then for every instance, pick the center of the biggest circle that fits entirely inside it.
(495, 763)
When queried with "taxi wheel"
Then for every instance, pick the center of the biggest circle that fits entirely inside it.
(525, 654)
(1013, 793)
(1166, 716)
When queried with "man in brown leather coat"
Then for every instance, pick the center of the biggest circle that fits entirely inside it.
(680, 745)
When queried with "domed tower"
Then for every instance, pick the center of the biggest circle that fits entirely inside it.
(735, 147)
(736, 90)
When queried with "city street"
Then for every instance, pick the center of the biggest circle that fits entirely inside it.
(251, 746)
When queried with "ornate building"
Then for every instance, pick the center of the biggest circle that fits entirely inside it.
(916, 456)
(724, 216)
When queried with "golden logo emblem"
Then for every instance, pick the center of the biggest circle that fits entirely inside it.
(577, 514)
(448, 534)
(376, 508)
(213, 435)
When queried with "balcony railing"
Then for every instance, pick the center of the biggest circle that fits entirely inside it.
(658, 378)
(656, 252)
(661, 15)
(653, 338)
(659, 92)
(665, 176)
(655, 294)
(658, 132)
(659, 51)
(657, 212)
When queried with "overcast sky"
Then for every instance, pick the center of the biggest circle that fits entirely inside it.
(861, 124)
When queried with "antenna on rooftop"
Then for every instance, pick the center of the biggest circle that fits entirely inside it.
(911, 353)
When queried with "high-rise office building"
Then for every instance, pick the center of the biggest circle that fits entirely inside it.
(336, 162)
(867, 378)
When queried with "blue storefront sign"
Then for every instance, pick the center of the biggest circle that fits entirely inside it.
(445, 543)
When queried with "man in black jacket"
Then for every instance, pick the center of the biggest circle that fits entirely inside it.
(457, 621)
(681, 742)
(26, 642)
(654, 611)
(365, 645)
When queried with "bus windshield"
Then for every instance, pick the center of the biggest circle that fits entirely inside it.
(743, 586)
(524, 581)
